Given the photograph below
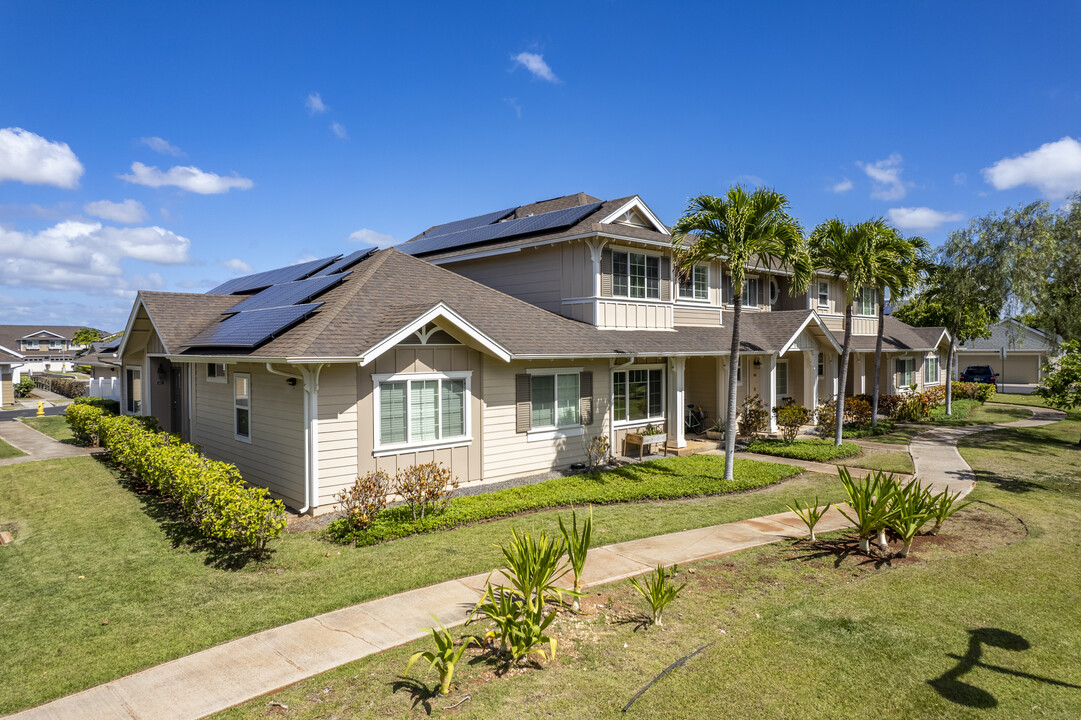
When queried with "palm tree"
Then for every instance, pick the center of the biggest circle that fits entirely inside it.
(746, 228)
(899, 265)
(845, 250)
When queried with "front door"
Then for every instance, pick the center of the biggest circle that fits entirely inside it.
(174, 400)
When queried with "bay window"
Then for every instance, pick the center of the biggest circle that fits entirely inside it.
(636, 275)
(638, 394)
(421, 409)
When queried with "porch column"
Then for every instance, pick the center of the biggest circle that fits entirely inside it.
(722, 390)
(862, 374)
(677, 401)
(810, 382)
(835, 371)
(771, 397)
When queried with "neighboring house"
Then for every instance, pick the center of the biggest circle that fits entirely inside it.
(9, 361)
(500, 345)
(1016, 352)
(43, 347)
(104, 369)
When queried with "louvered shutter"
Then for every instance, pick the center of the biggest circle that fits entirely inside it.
(522, 403)
(606, 272)
(666, 278)
(585, 397)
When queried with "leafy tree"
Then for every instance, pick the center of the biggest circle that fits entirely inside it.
(845, 251)
(1061, 386)
(86, 335)
(747, 229)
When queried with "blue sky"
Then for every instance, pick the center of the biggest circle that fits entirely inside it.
(154, 146)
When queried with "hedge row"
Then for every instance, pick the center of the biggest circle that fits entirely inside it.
(110, 406)
(666, 479)
(973, 391)
(212, 494)
(812, 450)
(67, 387)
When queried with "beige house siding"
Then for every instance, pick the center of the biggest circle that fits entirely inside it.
(577, 269)
(635, 315)
(702, 316)
(275, 456)
(338, 430)
(534, 275)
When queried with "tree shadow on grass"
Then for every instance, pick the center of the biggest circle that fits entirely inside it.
(840, 549)
(177, 528)
(1008, 484)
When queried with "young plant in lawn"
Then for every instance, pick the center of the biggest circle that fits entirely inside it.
(597, 452)
(871, 500)
(577, 542)
(445, 657)
(504, 608)
(534, 565)
(528, 632)
(810, 515)
(914, 506)
(945, 505)
(659, 591)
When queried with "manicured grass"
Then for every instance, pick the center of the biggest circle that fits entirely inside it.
(885, 460)
(971, 412)
(666, 479)
(7, 451)
(1016, 399)
(799, 631)
(814, 450)
(55, 426)
(88, 550)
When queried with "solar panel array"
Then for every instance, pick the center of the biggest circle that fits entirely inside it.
(346, 262)
(258, 281)
(553, 220)
(252, 327)
(285, 294)
(467, 224)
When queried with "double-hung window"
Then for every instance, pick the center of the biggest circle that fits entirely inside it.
(906, 371)
(242, 406)
(56, 344)
(750, 292)
(821, 365)
(694, 285)
(215, 372)
(930, 370)
(865, 302)
(133, 390)
(638, 394)
(421, 409)
(554, 401)
(823, 295)
(33, 345)
(782, 379)
(636, 275)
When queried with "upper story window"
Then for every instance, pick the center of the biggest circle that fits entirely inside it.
(823, 294)
(636, 275)
(32, 344)
(56, 344)
(215, 372)
(421, 408)
(750, 292)
(865, 302)
(695, 284)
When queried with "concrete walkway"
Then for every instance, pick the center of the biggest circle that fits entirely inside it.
(215, 679)
(36, 445)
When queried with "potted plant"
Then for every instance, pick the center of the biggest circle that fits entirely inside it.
(647, 436)
(715, 431)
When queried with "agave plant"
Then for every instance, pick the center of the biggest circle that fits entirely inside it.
(445, 657)
(871, 500)
(659, 591)
(945, 505)
(534, 565)
(503, 608)
(810, 515)
(577, 542)
(528, 632)
(914, 506)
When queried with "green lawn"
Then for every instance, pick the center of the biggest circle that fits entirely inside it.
(898, 461)
(90, 550)
(799, 631)
(55, 426)
(811, 449)
(7, 451)
(965, 412)
(1015, 399)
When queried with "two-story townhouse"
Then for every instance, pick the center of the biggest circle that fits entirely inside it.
(43, 347)
(500, 345)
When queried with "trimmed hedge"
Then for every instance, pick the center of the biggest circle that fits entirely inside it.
(212, 494)
(814, 450)
(68, 387)
(110, 406)
(981, 392)
(884, 427)
(666, 479)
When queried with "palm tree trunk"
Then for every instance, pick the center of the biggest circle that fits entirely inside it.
(733, 369)
(845, 352)
(878, 359)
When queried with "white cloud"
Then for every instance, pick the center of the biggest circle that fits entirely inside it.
(315, 104)
(1054, 168)
(237, 266)
(31, 159)
(371, 237)
(128, 212)
(534, 63)
(162, 146)
(513, 102)
(960, 178)
(339, 130)
(842, 187)
(77, 255)
(886, 175)
(922, 219)
(185, 177)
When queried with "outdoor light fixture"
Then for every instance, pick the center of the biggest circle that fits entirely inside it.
(757, 362)
(291, 382)
(161, 373)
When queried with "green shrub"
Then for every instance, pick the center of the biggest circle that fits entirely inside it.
(791, 418)
(753, 417)
(211, 494)
(884, 427)
(24, 386)
(425, 487)
(981, 392)
(813, 450)
(110, 406)
(826, 413)
(362, 501)
(665, 479)
(67, 387)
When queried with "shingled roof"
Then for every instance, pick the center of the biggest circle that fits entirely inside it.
(896, 335)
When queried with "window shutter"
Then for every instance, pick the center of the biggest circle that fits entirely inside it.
(522, 403)
(585, 397)
(606, 272)
(666, 278)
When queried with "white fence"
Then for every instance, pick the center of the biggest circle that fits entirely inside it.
(108, 388)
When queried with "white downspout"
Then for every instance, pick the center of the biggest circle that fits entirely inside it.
(311, 392)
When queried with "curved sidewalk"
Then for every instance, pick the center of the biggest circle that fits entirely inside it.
(36, 445)
(215, 679)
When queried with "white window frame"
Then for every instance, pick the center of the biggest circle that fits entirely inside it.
(551, 432)
(646, 256)
(748, 303)
(823, 305)
(626, 423)
(777, 376)
(223, 378)
(938, 369)
(33, 344)
(56, 344)
(251, 415)
(861, 298)
(693, 297)
(901, 374)
(382, 449)
(821, 364)
(126, 410)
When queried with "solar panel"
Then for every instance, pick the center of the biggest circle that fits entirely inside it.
(346, 262)
(258, 281)
(498, 231)
(248, 329)
(467, 224)
(286, 294)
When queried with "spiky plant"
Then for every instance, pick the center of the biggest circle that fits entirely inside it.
(870, 500)
(810, 515)
(659, 591)
(945, 505)
(445, 657)
(534, 565)
(577, 542)
(914, 506)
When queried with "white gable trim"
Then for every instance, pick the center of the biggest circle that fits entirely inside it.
(33, 335)
(9, 351)
(636, 203)
(438, 311)
(131, 322)
(818, 321)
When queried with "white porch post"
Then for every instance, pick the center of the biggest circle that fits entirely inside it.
(772, 392)
(859, 379)
(722, 390)
(810, 382)
(835, 370)
(677, 401)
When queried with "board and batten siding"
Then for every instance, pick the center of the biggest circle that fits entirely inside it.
(275, 456)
